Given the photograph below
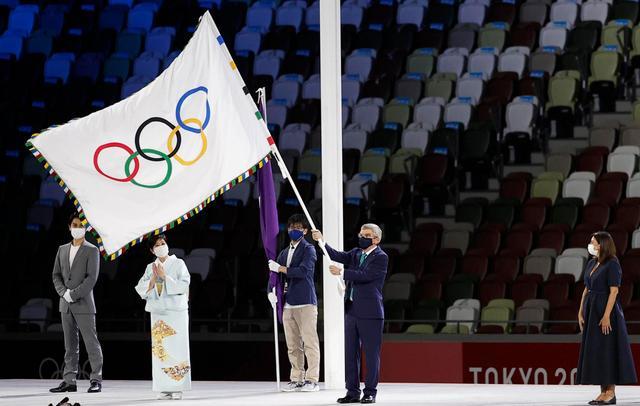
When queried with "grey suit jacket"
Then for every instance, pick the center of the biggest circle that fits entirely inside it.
(80, 278)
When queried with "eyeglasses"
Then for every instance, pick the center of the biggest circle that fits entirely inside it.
(366, 236)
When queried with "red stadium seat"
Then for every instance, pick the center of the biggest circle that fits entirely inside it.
(506, 268)
(568, 314)
(519, 242)
(596, 214)
(488, 241)
(491, 289)
(628, 215)
(522, 290)
(620, 237)
(556, 292)
(475, 266)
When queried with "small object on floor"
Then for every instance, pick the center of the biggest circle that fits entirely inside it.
(64, 387)
(96, 386)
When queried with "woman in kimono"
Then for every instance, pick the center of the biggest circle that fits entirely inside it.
(605, 353)
(165, 287)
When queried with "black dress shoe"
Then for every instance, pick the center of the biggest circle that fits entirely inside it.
(594, 402)
(348, 399)
(611, 401)
(368, 399)
(64, 387)
(95, 387)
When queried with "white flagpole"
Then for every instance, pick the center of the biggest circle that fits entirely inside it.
(287, 175)
(276, 341)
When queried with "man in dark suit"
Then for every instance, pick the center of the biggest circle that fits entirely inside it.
(364, 272)
(300, 314)
(75, 272)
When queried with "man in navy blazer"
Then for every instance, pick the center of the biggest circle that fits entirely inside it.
(300, 315)
(365, 269)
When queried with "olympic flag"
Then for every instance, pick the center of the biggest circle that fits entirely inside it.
(151, 161)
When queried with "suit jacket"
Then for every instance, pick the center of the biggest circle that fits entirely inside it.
(366, 281)
(301, 288)
(80, 278)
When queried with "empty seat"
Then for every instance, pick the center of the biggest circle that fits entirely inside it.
(456, 239)
(554, 35)
(565, 11)
(542, 266)
(622, 162)
(484, 61)
(513, 62)
(360, 63)
(570, 265)
(472, 13)
(581, 188)
(453, 60)
(594, 10)
(548, 188)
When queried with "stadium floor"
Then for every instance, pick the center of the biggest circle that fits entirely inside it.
(35, 392)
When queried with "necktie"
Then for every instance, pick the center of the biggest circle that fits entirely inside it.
(362, 258)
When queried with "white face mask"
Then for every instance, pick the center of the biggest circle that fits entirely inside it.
(77, 233)
(161, 251)
(592, 250)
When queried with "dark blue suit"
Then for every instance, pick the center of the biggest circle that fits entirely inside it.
(301, 288)
(364, 315)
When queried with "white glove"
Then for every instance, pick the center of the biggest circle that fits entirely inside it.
(273, 299)
(67, 296)
(274, 266)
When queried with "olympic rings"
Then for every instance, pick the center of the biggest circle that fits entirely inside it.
(207, 114)
(163, 156)
(168, 124)
(116, 145)
(159, 155)
(202, 136)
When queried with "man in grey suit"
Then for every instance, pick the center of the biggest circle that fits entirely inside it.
(75, 273)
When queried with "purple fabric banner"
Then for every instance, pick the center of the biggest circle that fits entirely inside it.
(269, 225)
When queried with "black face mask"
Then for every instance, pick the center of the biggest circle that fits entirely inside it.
(364, 242)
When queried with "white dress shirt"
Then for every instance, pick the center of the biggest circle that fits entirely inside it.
(72, 253)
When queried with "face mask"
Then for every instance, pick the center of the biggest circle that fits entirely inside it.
(77, 233)
(592, 250)
(295, 235)
(161, 251)
(364, 242)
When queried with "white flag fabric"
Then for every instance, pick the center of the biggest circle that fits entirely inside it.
(151, 161)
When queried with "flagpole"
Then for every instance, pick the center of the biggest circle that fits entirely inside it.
(276, 342)
(287, 175)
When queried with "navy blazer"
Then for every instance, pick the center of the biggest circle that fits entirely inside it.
(366, 281)
(301, 288)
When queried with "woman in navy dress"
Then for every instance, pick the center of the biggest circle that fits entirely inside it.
(605, 353)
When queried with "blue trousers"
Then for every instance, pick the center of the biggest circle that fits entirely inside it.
(368, 334)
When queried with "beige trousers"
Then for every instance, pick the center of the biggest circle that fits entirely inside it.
(301, 333)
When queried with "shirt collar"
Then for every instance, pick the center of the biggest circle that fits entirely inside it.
(293, 244)
(369, 251)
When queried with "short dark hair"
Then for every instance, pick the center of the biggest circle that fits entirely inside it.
(73, 216)
(298, 219)
(607, 246)
(154, 239)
